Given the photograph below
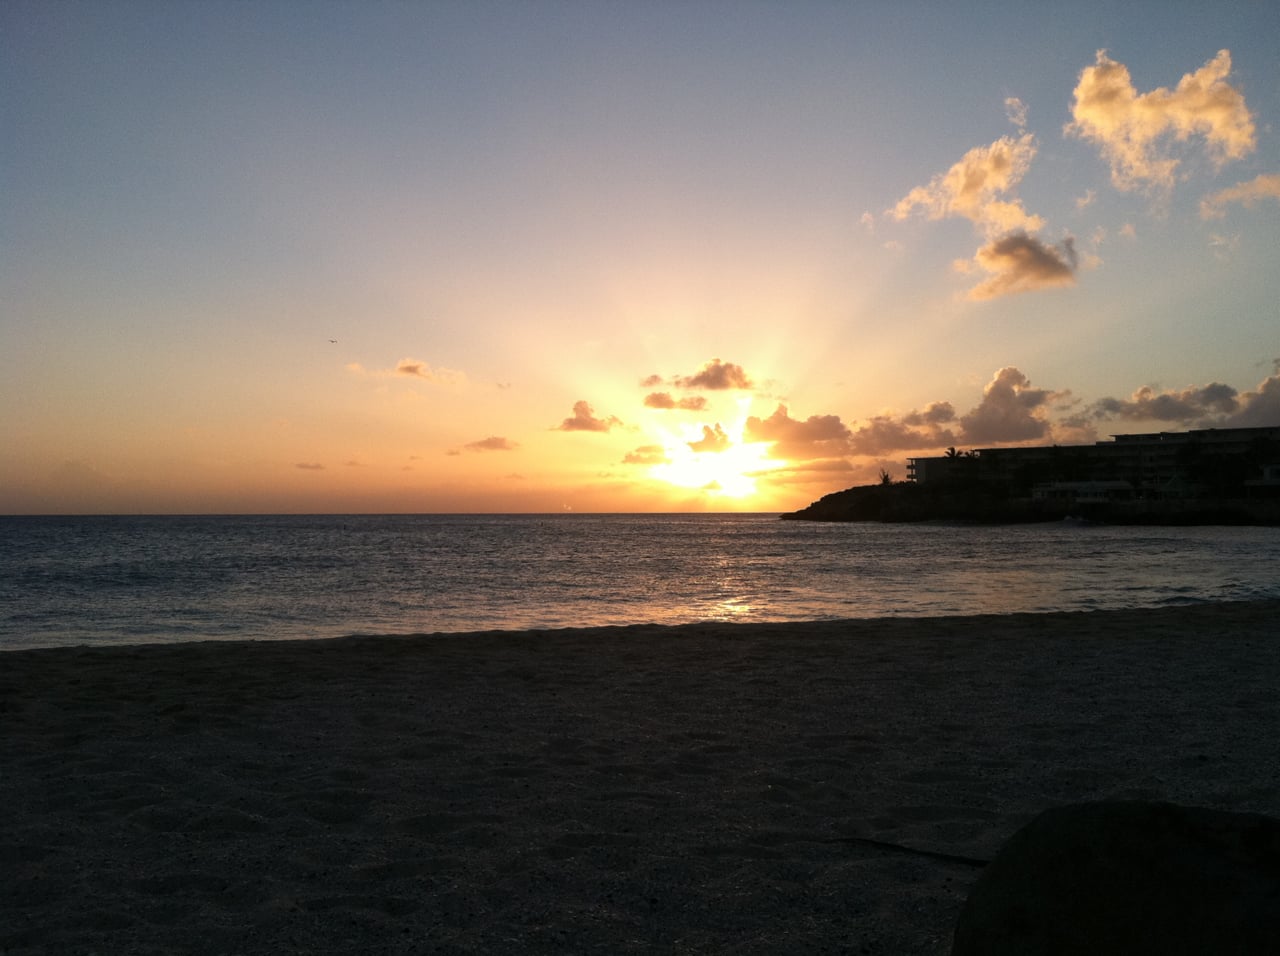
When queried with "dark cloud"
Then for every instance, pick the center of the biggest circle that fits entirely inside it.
(651, 381)
(584, 420)
(690, 403)
(914, 431)
(647, 455)
(716, 376)
(1260, 408)
(309, 466)
(1021, 263)
(492, 443)
(935, 413)
(1188, 405)
(713, 439)
(1010, 411)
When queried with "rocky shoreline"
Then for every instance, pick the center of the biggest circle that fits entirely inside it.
(905, 502)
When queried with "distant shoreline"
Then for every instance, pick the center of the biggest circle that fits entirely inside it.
(904, 503)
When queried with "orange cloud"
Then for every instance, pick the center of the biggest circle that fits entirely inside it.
(691, 403)
(971, 189)
(819, 436)
(1022, 263)
(716, 376)
(584, 420)
(647, 455)
(1131, 129)
(1263, 186)
(411, 368)
(492, 443)
(713, 439)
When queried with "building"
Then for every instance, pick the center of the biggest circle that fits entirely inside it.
(1202, 463)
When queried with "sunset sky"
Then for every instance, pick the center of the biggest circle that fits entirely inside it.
(545, 256)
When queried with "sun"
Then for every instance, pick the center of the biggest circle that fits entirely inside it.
(730, 473)
(717, 462)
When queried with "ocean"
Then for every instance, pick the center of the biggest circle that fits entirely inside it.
(132, 580)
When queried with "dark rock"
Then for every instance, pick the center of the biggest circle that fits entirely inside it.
(1129, 878)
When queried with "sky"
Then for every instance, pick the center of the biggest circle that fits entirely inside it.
(617, 257)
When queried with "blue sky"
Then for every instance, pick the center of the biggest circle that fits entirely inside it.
(700, 220)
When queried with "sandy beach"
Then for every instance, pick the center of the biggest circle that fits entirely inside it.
(702, 789)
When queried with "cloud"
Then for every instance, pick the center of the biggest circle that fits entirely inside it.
(971, 189)
(1187, 405)
(1010, 410)
(1262, 407)
(492, 443)
(935, 413)
(819, 436)
(1224, 246)
(713, 439)
(309, 466)
(820, 472)
(1132, 130)
(1022, 263)
(411, 368)
(690, 403)
(916, 430)
(975, 188)
(884, 433)
(647, 455)
(584, 420)
(716, 376)
(1016, 112)
(1263, 186)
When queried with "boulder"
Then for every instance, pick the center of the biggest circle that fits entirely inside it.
(1129, 878)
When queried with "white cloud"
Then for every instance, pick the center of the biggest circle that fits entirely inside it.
(1133, 130)
(1016, 112)
(973, 189)
(1263, 186)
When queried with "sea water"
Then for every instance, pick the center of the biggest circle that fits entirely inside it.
(114, 580)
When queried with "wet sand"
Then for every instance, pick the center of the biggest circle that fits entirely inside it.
(701, 789)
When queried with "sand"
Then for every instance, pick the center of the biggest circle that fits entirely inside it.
(700, 789)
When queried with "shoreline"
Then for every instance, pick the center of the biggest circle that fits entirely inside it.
(690, 787)
(644, 630)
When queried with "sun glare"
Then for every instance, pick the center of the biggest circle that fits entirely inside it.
(729, 471)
